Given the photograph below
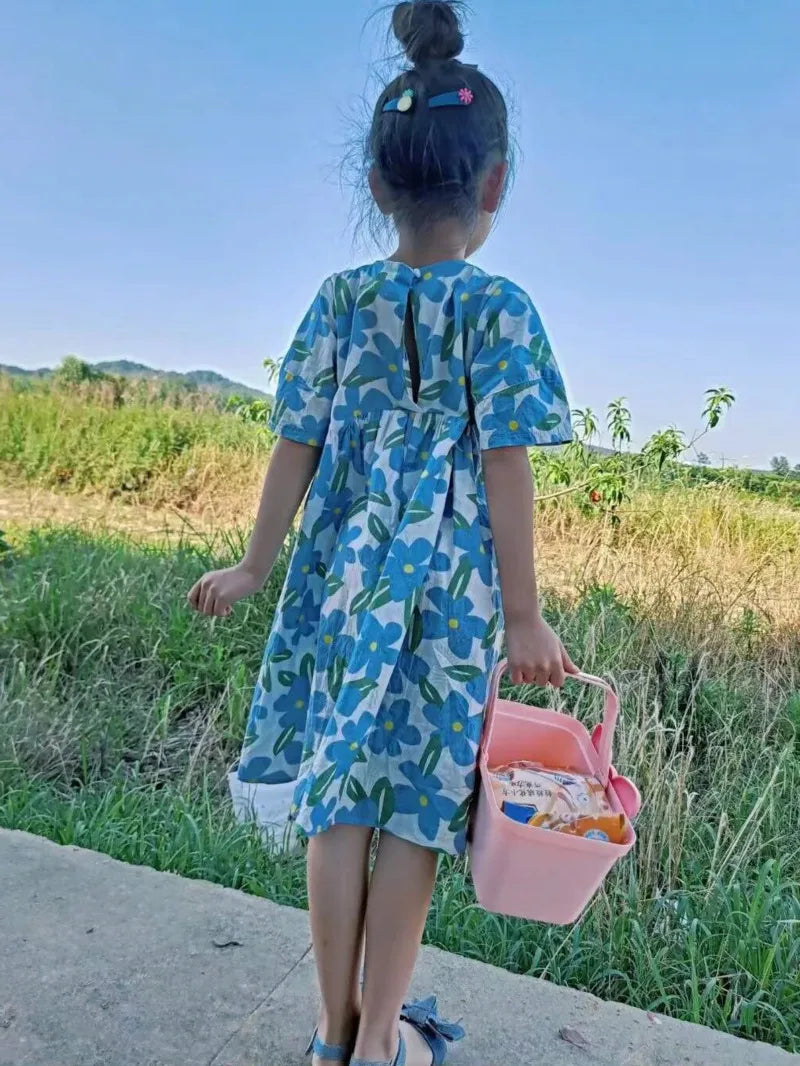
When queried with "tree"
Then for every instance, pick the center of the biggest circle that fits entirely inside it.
(74, 371)
(702, 459)
(780, 466)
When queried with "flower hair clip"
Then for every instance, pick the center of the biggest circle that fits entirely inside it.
(457, 98)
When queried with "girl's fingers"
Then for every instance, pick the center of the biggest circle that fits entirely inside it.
(211, 604)
(569, 665)
(194, 594)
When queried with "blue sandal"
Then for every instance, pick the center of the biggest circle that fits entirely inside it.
(327, 1052)
(435, 1031)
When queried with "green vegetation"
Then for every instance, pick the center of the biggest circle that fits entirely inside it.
(120, 711)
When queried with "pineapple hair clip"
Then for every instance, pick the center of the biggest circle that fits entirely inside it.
(405, 103)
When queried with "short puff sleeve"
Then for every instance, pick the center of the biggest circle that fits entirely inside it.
(518, 393)
(307, 379)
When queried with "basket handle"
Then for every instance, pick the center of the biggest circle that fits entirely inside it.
(610, 716)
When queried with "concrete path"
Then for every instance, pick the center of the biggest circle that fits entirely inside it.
(103, 964)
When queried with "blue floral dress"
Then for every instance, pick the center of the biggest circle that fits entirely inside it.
(372, 689)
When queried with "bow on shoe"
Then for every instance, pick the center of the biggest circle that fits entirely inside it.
(422, 1014)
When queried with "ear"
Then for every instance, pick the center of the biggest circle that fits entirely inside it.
(493, 186)
(380, 194)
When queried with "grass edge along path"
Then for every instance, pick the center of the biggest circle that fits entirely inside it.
(119, 713)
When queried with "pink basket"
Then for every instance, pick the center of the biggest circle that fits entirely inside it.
(535, 873)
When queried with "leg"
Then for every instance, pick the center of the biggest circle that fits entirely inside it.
(399, 898)
(338, 870)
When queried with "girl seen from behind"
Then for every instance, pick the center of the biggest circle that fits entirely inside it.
(403, 412)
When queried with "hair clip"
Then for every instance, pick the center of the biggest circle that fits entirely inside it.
(403, 103)
(456, 98)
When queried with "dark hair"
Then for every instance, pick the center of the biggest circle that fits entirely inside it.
(432, 160)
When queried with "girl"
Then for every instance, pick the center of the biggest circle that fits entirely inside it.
(404, 409)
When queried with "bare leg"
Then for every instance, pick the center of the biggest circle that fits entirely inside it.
(399, 898)
(338, 871)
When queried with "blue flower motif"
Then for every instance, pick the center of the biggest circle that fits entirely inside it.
(453, 621)
(305, 560)
(414, 667)
(325, 471)
(322, 815)
(430, 485)
(319, 714)
(458, 731)
(407, 566)
(365, 812)
(310, 431)
(376, 646)
(471, 542)
(332, 639)
(301, 618)
(392, 731)
(511, 299)
(386, 363)
(372, 560)
(345, 753)
(423, 798)
(506, 362)
(363, 320)
(334, 511)
(509, 421)
(317, 322)
(292, 390)
(345, 552)
(293, 705)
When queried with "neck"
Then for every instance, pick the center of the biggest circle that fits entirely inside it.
(442, 242)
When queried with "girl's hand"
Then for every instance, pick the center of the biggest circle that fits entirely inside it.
(217, 592)
(535, 654)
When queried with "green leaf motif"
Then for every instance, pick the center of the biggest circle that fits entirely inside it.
(383, 594)
(396, 438)
(284, 740)
(286, 678)
(358, 380)
(370, 293)
(449, 340)
(415, 631)
(431, 755)
(463, 674)
(461, 817)
(381, 498)
(363, 686)
(434, 392)
(382, 796)
(491, 631)
(357, 507)
(336, 677)
(355, 791)
(342, 298)
(460, 583)
(340, 477)
(281, 656)
(378, 529)
(549, 422)
(334, 584)
(307, 667)
(416, 512)
(321, 786)
(361, 602)
(460, 521)
(429, 693)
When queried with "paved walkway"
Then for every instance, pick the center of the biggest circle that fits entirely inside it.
(103, 964)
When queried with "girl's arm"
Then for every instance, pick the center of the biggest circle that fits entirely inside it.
(289, 474)
(535, 654)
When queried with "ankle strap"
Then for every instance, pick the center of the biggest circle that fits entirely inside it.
(399, 1059)
(327, 1052)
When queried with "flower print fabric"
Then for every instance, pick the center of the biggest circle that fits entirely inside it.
(372, 689)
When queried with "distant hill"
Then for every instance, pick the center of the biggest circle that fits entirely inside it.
(209, 380)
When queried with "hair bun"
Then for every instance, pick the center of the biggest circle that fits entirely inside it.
(428, 30)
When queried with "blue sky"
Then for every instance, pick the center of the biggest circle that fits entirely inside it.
(168, 189)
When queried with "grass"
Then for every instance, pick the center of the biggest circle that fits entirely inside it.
(120, 713)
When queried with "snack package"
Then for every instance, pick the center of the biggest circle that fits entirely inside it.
(561, 800)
